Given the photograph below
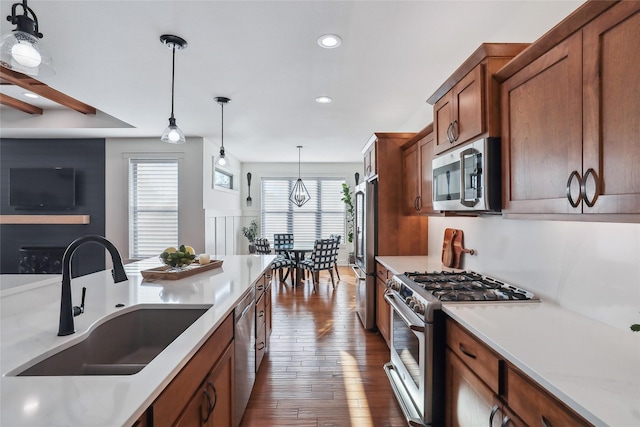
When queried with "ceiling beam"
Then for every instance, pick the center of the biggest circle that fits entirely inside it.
(12, 102)
(43, 90)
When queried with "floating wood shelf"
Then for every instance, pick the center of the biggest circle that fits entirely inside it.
(45, 219)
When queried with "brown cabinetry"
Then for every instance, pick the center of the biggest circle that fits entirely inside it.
(417, 173)
(383, 310)
(481, 388)
(466, 106)
(398, 234)
(202, 392)
(571, 117)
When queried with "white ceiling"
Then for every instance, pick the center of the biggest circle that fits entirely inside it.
(264, 56)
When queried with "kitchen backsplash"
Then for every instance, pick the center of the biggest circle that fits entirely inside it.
(590, 268)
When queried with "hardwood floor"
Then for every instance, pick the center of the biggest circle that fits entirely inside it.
(323, 368)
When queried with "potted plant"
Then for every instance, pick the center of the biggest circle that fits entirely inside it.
(251, 233)
(350, 216)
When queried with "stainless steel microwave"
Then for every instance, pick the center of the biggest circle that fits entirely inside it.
(468, 178)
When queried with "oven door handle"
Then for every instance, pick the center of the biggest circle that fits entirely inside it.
(416, 325)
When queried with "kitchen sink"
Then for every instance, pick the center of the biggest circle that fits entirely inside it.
(123, 345)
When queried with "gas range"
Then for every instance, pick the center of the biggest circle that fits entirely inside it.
(424, 292)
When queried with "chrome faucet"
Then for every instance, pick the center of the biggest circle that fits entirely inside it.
(67, 326)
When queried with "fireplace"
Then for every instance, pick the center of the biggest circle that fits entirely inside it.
(40, 260)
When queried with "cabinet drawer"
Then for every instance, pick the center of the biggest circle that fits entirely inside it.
(261, 346)
(535, 405)
(262, 283)
(382, 272)
(474, 354)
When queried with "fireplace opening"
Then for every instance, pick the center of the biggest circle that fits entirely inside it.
(40, 260)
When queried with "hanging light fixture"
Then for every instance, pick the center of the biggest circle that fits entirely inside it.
(299, 194)
(21, 50)
(222, 160)
(172, 134)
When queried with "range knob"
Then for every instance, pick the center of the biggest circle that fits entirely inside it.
(393, 285)
(419, 308)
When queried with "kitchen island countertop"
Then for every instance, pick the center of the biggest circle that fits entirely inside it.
(29, 330)
(590, 366)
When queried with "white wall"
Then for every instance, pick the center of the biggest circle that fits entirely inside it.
(269, 170)
(589, 268)
(191, 215)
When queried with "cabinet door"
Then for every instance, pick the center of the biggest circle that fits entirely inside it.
(410, 180)
(469, 402)
(212, 403)
(611, 58)
(425, 156)
(383, 311)
(468, 106)
(443, 121)
(542, 132)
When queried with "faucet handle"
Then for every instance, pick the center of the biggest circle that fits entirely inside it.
(77, 311)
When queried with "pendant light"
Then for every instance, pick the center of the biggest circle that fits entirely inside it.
(299, 194)
(222, 160)
(172, 134)
(21, 50)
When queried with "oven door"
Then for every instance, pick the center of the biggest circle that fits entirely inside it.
(410, 369)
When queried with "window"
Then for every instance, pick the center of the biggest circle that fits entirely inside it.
(153, 206)
(321, 216)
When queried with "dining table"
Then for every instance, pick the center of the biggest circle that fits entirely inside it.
(298, 250)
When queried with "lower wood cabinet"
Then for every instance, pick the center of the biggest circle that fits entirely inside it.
(383, 310)
(203, 387)
(212, 405)
(483, 389)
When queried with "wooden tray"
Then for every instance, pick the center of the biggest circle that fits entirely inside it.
(452, 248)
(194, 268)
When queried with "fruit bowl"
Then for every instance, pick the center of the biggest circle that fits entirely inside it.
(178, 258)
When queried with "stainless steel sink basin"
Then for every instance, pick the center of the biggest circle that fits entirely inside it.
(120, 346)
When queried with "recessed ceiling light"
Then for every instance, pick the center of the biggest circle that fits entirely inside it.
(30, 95)
(323, 99)
(329, 41)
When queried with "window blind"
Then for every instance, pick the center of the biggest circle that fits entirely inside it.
(321, 216)
(153, 206)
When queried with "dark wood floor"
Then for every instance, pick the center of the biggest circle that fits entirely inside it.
(323, 368)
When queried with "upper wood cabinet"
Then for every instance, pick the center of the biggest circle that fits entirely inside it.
(571, 117)
(466, 106)
(417, 173)
(398, 234)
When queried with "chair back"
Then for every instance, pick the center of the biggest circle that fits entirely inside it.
(262, 246)
(324, 252)
(282, 242)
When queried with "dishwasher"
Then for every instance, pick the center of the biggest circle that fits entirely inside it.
(245, 351)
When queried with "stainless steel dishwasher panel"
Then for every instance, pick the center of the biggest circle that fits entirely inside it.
(245, 351)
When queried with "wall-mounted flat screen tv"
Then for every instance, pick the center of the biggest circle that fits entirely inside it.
(42, 188)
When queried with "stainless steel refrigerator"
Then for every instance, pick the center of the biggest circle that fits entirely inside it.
(366, 248)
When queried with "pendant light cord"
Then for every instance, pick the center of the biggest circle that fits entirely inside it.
(173, 77)
(222, 125)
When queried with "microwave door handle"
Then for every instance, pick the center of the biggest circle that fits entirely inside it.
(465, 202)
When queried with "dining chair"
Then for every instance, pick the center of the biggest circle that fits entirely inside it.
(284, 259)
(337, 238)
(322, 258)
(262, 246)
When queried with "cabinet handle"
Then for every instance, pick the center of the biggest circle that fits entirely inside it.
(368, 170)
(573, 203)
(505, 421)
(205, 418)
(215, 396)
(583, 186)
(450, 133)
(261, 313)
(419, 203)
(260, 288)
(544, 422)
(493, 414)
(260, 345)
(466, 352)
(454, 130)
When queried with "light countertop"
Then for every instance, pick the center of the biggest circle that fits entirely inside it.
(29, 329)
(592, 367)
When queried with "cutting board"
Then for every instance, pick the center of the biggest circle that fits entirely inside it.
(453, 248)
